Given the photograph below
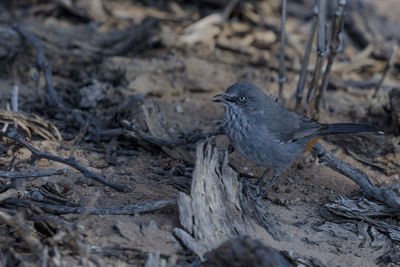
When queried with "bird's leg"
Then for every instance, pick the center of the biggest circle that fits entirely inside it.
(261, 180)
(258, 186)
(249, 187)
(269, 184)
(231, 149)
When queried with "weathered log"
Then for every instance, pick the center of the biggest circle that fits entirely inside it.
(216, 209)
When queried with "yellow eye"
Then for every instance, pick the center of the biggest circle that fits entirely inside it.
(242, 98)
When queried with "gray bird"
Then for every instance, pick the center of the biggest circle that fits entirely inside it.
(267, 133)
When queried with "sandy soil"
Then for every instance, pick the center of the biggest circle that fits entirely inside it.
(182, 79)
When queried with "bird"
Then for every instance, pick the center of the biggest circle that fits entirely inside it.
(268, 134)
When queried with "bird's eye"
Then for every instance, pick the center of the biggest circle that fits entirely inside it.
(242, 98)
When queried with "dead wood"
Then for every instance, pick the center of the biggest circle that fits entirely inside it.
(360, 208)
(8, 194)
(282, 69)
(215, 209)
(389, 65)
(14, 98)
(336, 44)
(26, 175)
(391, 257)
(37, 154)
(31, 124)
(158, 128)
(321, 55)
(304, 65)
(27, 234)
(123, 210)
(174, 146)
(388, 195)
(363, 159)
(43, 66)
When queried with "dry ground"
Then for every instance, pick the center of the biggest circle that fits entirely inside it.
(182, 78)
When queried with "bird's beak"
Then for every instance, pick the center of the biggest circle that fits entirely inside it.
(222, 98)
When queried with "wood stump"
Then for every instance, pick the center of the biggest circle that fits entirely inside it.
(216, 209)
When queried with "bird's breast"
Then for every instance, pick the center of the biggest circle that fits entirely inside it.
(238, 125)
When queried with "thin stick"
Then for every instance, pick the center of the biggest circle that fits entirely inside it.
(43, 66)
(385, 195)
(26, 175)
(321, 51)
(9, 194)
(304, 64)
(321, 26)
(228, 9)
(389, 65)
(14, 98)
(37, 154)
(282, 77)
(122, 210)
(167, 143)
(334, 47)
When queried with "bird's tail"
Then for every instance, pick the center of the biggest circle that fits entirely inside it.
(347, 128)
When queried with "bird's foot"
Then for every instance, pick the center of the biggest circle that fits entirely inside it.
(252, 190)
(256, 192)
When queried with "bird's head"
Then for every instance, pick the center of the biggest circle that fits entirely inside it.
(243, 95)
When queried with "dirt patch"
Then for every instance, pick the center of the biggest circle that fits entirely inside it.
(110, 60)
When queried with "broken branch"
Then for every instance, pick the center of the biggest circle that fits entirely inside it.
(123, 210)
(25, 175)
(389, 196)
(37, 154)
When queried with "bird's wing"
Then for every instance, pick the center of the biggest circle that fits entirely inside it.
(287, 126)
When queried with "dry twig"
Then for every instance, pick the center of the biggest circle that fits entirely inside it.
(31, 125)
(37, 154)
(188, 139)
(282, 77)
(14, 98)
(362, 209)
(388, 195)
(336, 41)
(321, 53)
(304, 64)
(45, 67)
(9, 194)
(27, 175)
(216, 209)
(122, 210)
(389, 65)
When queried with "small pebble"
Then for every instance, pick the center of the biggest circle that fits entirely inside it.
(294, 179)
(179, 109)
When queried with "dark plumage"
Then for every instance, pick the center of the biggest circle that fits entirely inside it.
(267, 133)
